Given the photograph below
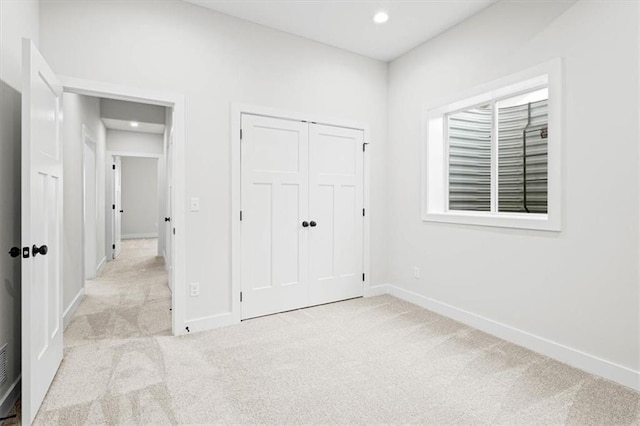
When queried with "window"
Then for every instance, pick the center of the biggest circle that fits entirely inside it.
(493, 157)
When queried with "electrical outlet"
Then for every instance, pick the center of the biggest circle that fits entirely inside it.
(195, 204)
(195, 289)
(416, 272)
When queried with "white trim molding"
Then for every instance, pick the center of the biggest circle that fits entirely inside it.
(176, 102)
(573, 357)
(435, 151)
(211, 322)
(10, 397)
(101, 265)
(71, 309)
(377, 290)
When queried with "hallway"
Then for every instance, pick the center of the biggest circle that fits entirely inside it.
(130, 299)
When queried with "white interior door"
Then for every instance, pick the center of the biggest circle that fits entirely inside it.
(169, 210)
(41, 229)
(336, 199)
(117, 200)
(90, 210)
(275, 203)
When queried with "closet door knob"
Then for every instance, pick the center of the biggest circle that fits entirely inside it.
(305, 224)
(313, 224)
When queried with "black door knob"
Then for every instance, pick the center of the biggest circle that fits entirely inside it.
(305, 224)
(39, 250)
(14, 252)
(167, 219)
(313, 224)
(121, 211)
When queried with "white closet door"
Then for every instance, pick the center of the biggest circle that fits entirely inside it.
(336, 203)
(275, 202)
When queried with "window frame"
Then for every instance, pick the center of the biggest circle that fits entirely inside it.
(435, 145)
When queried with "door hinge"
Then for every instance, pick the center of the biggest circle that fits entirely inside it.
(240, 134)
(240, 215)
(114, 166)
(362, 212)
(363, 276)
(364, 146)
(240, 296)
(113, 206)
(113, 246)
(174, 231)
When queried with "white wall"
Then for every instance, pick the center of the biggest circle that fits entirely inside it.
(578, 287)
(79, 110)
(17, 20)
(136, 142)
(132, 111)
(140, 197)
(215, 60)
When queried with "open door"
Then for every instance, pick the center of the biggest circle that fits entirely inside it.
(169, 206)
(41, 229)
(117, 212)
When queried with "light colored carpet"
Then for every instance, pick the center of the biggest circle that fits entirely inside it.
(375, 360)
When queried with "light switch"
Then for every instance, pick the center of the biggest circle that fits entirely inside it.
(195, 204)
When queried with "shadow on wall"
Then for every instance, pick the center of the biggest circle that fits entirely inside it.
(10, 291)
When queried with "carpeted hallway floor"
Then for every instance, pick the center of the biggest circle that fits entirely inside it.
(375, 360)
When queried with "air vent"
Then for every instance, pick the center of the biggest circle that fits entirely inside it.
(3, 364)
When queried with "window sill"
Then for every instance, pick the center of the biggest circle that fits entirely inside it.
(538, 222)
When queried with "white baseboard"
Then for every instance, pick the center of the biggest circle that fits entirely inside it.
(573, 357)
(10, 398)
(136, 236)
(376, 290)
(208, 323)
(71, 309)
(166, 262)
(101, 265)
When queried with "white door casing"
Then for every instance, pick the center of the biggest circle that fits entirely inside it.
(336, 205)
(117, 200)
(168, 226)
(42, 173)
(275, 202)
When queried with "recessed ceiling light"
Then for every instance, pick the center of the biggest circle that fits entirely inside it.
(380, 17)
(134, 124)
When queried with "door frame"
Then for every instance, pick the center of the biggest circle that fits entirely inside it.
(159, 157)
(237, 109)
(176, 101)
(88, 138)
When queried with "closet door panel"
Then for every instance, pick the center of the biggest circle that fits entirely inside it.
(323, 257)
(275, 200)
(336, 202)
